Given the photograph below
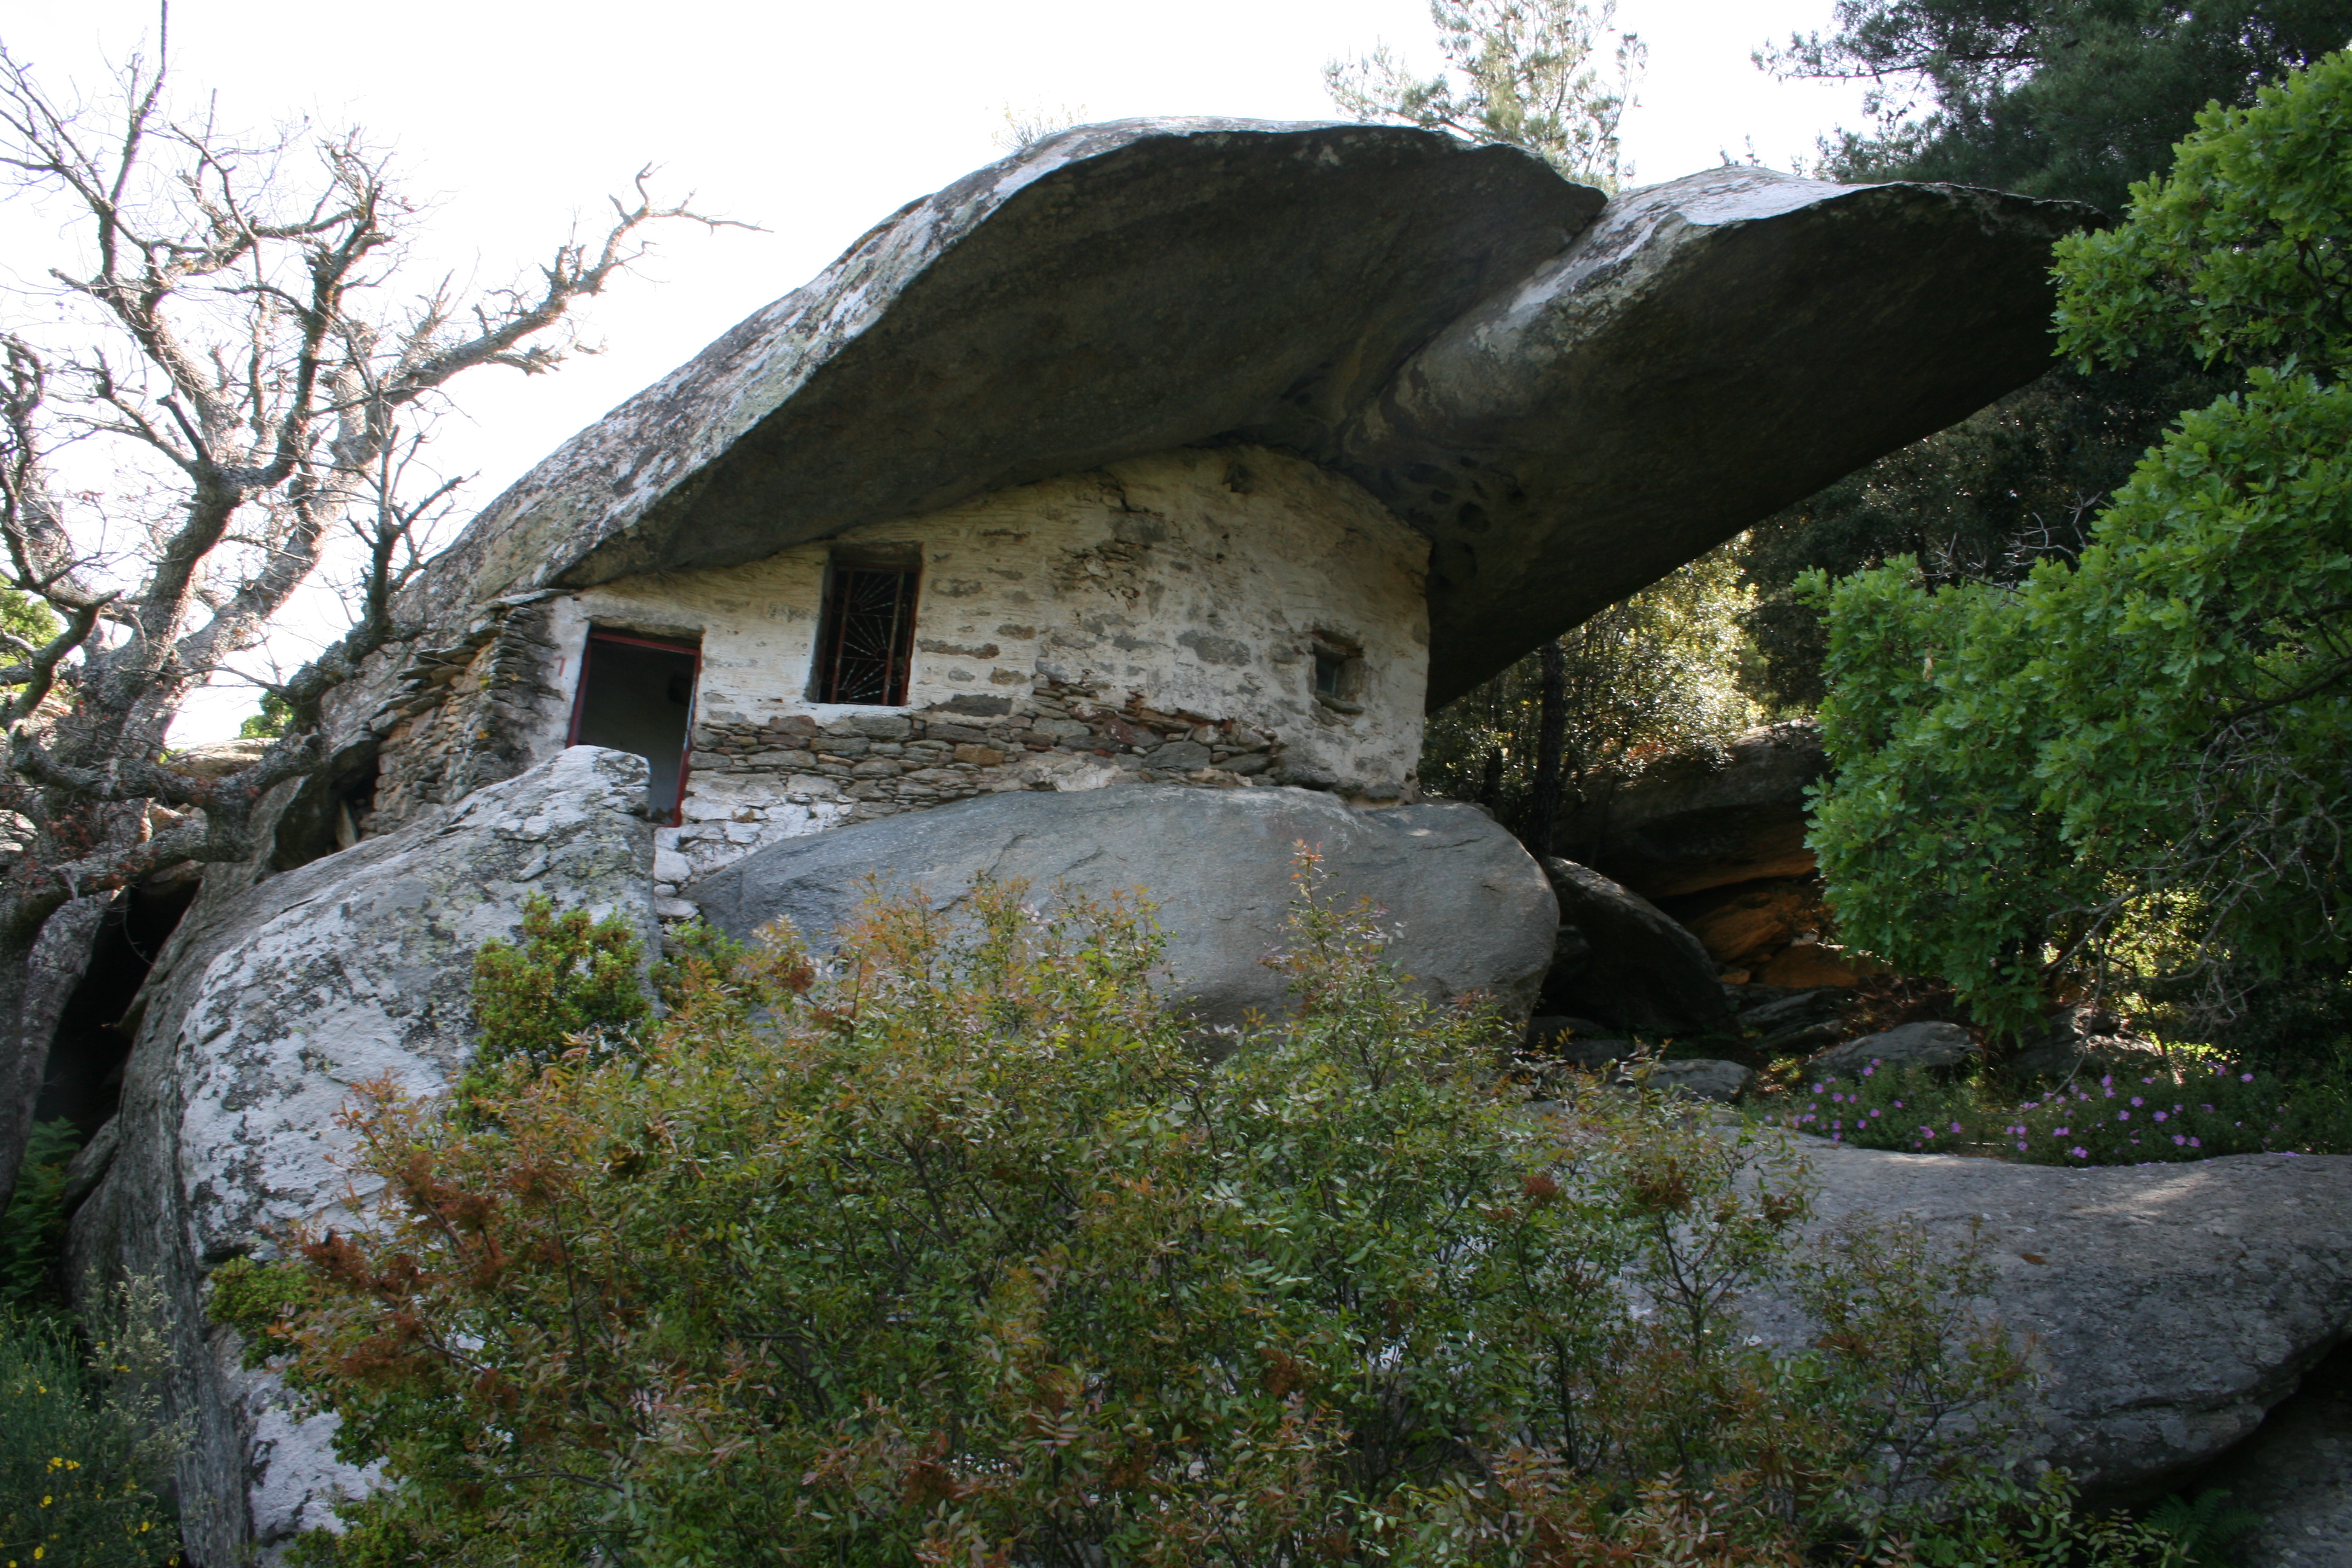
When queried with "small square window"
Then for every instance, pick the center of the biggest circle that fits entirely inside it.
(1338, 672)
(865, 642)
(1327, 667)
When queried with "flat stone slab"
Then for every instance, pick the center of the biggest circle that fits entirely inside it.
(1570, 399)
(1471, 908)
(2169, 1305)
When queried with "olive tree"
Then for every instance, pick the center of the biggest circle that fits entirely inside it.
(223, 386)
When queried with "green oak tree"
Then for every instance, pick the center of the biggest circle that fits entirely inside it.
(2134, 770)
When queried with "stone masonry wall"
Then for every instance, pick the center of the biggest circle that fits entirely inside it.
(1157, 619)
(759, 783)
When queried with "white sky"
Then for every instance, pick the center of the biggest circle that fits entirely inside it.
(812, 119)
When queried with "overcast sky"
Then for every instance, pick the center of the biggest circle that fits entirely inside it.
(809, 120)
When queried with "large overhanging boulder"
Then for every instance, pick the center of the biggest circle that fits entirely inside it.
(1569, 398)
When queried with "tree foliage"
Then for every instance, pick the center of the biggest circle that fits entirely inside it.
(1538, 74)
(2067, 99)
(949, 1249)
(1653, 673)
(2135, 768)
(2076, 99)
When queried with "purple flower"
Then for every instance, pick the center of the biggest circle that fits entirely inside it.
(1874, 1111)
(1871, 1068)
(2079, 1153)
(2193, 1143)
(2123, 1116)
(1819, 1086)
(2159, 1116)
(2059, 1131)
(1956, 1127)
(2245, 1078)
(2136, 1100)
(2020, 1148)
(2178, 1138)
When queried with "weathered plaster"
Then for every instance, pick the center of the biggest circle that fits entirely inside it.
(1068, 633)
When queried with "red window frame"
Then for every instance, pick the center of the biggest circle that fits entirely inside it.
(636, 639)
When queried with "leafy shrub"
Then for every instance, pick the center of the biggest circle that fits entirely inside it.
(83, 1447)
(947, 1249)
(34, 1222)
(2196, 1110)
(568, 976)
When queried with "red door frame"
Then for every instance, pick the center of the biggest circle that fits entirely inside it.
(666, 645)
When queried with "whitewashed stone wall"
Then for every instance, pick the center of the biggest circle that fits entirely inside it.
(1155, 619)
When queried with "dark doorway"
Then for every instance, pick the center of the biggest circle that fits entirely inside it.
(637, 694)
(868, 637)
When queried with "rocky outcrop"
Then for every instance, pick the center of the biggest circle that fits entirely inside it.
(1709, 819)
(1925, 1045)
(1472, 912)
(269, 1004)
(1621, 961)
(2295, 1476)
(2169, 1305)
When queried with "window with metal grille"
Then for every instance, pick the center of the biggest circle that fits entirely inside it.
(867, 639)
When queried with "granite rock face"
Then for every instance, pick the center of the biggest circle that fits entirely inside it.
(1926, 1045)
(1620, 960)
(1473, 912)
(1704, 819)
(269, 1004)
(2296, 1474)
(2170, 1306)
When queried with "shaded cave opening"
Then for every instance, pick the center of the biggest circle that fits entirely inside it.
(83, 1079)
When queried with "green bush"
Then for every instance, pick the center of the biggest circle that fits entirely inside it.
(949, 1249)
(570, 980)
(84, 1451)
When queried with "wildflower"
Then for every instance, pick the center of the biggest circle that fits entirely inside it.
(2193, 1143)
(2178, 1140)
(2079, 1152)
(2020, 1148)
(2060, 1131)
(2159, 1116)
(1874, 1111)
(2123, 1116)
(2245, 1078)
(2136, 1100)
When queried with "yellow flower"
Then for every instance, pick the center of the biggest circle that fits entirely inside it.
(45, 1502)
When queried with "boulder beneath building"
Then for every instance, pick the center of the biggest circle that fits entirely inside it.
(269, 1005)
(1471, 911)
(2168, 1307)
(1619, 960)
